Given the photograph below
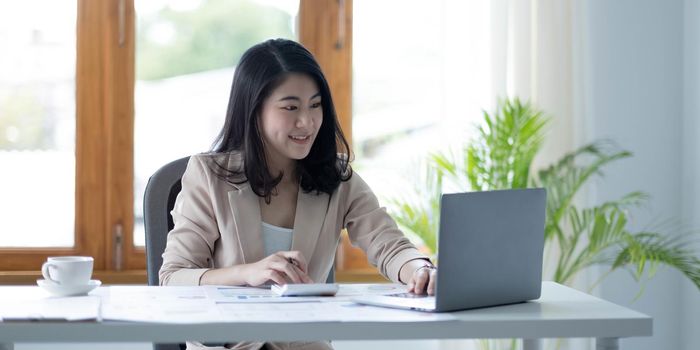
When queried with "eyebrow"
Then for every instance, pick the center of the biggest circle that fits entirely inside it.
(297, 98)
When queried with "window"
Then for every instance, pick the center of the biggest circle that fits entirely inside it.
(37, 123)
(93, 133)
(159, 65)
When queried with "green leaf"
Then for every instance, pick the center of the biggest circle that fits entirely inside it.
(501, 156)
(654, 248)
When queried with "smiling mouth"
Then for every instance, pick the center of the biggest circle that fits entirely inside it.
(300, 138)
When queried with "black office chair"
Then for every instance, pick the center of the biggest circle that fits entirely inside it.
(158, 200)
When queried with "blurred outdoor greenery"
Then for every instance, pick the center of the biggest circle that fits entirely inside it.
(23, 121)
(212, 36)
(169, 43)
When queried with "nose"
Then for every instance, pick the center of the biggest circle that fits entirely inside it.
(304, 119)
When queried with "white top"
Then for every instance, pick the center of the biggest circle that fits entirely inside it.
(276, 238)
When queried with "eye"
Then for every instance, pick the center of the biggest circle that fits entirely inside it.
(316, 105)
(290, 108)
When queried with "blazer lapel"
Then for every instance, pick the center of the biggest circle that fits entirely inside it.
(310, 213)
(246, 216)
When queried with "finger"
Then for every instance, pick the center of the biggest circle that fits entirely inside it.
(421, 276)
(276, 277)
(289, 267)
(301, 260)
(411, 284)
(288, 270)
(298, 257)
(292, 272)
(279, 256)
(281, 260)
(304, 277)
(432, 283)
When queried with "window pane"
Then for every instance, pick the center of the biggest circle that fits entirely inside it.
(37, 123)
(418, 84)
(185, 56)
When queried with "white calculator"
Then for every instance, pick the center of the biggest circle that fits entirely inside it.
(301, 289)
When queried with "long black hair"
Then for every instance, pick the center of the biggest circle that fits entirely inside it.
(261, 69)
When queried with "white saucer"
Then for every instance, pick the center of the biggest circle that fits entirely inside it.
(64, 291)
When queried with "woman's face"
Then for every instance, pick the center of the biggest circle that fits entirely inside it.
(290, 119)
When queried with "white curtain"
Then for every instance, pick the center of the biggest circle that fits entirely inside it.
(534, 49)
(536, 56)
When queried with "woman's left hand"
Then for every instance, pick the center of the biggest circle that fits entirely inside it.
(423, 276)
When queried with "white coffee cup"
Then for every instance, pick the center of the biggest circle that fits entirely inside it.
(68, 270)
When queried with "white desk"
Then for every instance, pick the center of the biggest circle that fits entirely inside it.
(561, 312)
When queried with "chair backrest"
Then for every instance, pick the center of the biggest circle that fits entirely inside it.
(158, 200)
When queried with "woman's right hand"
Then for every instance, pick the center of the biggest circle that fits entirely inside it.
(281, 268)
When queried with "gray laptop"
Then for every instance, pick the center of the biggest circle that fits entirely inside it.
(489, 250)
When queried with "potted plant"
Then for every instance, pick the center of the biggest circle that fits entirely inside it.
(501, 156)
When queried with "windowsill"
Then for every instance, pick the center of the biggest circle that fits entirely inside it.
(358, 275)
(107, 277)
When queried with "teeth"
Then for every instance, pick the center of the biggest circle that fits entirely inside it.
(299, 137)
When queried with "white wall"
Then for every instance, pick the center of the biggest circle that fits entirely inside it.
(690, 298)
(634, 55)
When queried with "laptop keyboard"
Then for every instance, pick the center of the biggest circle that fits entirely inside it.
(408, 295)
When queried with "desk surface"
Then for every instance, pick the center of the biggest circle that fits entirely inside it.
(560, 312)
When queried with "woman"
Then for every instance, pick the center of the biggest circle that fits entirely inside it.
(269, 202)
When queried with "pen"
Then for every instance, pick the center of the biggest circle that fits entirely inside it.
(294, 262)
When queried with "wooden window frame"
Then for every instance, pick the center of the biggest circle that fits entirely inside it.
(331, 43)
(105, 76)
(103, 146)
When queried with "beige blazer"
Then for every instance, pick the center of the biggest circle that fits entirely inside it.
(218, 224)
